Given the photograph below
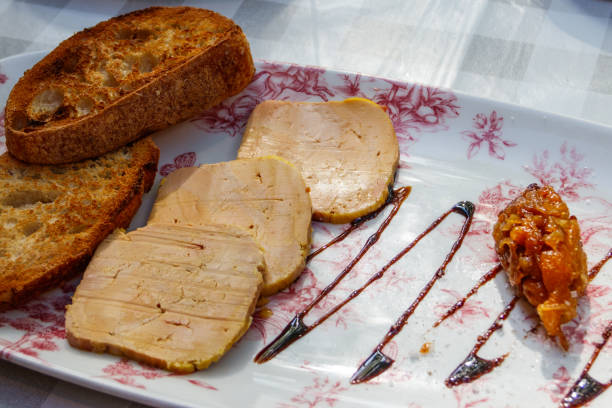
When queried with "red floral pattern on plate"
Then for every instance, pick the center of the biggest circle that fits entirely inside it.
(284, 305)
(596, 227)
(182, 160)
(351, 86)
(472, 309)
(272, 81)
(417, 108)
(202, 384)
(488, 131)
(594, 312)
(322, 392)
(277, 81)
(128, 373)
(410, 107)
(42, 324)
(229, 117)
(394, 277)
(490, 202)
(467, 396)
(557, 387)
(567, 176)
(3, 78)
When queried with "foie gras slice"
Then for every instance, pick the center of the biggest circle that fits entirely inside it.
(265, 196)
(346, 151)
(174, 297)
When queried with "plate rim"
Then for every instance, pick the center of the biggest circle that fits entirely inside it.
(159, 399)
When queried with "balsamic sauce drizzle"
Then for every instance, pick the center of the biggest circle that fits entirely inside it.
(586, 387)
(378, 362)
(296, 327)
(357, 222)
(474, 366)
(484, 279)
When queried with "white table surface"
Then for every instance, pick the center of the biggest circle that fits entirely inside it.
(552, 55)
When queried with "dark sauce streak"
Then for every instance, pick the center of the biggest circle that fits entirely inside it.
(377, 362)
(393, 260)
(399, 324)
(595, 269)
(473, 366)
(357, 222)
(296, 328)
(397, 200)
(586, 388)
(484, 279)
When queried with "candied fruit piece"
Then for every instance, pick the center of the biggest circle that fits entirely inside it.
(538, 244)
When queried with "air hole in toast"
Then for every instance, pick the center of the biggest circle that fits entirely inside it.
(133, 34)
(84, 106)
(108, 79)
(70, 62)
(77, 229)
(20, 199)
(19, 120)
(10, 223)
(147, 62)
(45, 104)
(31, 227)
(128, 64)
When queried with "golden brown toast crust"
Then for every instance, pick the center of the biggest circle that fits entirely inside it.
(52, 218)
(124, 78)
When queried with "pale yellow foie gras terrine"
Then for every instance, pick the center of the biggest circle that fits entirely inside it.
(347, 152)
(265, 196)
(175, 297)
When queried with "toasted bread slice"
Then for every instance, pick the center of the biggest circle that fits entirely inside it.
(265, 196)
(176, 297)
(129, 76)
(52, 218)
(347, 151)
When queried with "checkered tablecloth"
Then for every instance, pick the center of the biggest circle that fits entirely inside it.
(552, 55)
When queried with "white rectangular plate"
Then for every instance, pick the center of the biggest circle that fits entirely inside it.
(453, 147)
